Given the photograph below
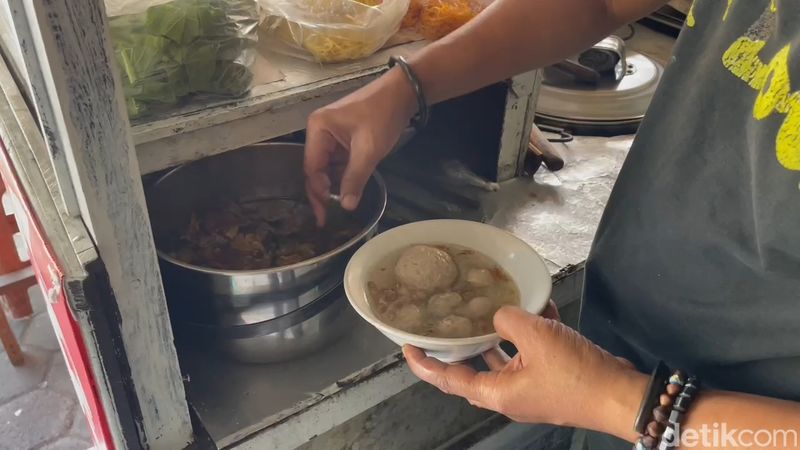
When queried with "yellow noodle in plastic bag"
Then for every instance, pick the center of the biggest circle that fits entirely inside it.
(332, 31)
(434, 19)
(441, 17)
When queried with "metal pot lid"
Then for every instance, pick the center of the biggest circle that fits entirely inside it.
(611, 102)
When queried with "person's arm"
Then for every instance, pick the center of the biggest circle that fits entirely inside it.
(515, 36)
(559, 377)
(509, 37)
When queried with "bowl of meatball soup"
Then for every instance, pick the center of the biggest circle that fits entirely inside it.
(436, 284)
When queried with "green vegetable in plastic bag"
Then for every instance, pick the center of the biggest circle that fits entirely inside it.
(179, 48)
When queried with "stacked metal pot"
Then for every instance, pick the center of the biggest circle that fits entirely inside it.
(256, 315)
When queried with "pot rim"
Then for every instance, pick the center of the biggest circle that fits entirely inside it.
(365, 231)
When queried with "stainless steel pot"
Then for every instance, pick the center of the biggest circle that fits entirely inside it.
(230, 297)
(290, 336)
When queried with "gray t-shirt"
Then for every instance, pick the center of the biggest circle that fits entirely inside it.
(697, 258)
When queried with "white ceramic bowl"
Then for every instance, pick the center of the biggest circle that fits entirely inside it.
(516, 257)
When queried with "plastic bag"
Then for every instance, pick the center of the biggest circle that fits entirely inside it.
(330, 31)
(168, 50)
(434, 19)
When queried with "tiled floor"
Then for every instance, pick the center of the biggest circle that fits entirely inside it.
(38, 406)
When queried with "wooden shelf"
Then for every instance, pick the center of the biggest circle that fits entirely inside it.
(269, 111)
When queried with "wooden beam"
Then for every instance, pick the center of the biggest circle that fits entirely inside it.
(517, 124)
(87, 117)
(9, 45)
(70, 242)
(44, 99)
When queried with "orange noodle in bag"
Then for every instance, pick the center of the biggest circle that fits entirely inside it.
(435, 19)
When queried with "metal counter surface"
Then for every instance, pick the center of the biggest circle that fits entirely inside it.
(234, 400)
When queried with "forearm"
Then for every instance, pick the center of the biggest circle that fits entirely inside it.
(747, 414)
(514, 36)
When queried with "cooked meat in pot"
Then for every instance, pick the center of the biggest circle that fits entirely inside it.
(259, 234)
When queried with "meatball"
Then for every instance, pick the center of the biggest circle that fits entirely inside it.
(478, 307)
(408, 317)
(480, 277)
(441, 305)
(426, 268)
(454, 326)
(414, 295)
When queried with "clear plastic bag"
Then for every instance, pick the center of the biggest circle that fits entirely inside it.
(168, 50)
(331, 31)
(434, 19)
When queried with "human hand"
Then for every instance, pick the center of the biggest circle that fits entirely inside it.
(347, 139)
(557, 377)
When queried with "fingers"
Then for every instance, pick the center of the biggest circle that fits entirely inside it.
(496, 358)
(320, 145)
(479, 388)
(317, 205)
(359, 168)
(514, 324)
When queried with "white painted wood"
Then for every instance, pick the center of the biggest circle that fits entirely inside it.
(19, 130)
(517, 124)
(9, 45)
(31, 50)
(67, 235)
(87, 102)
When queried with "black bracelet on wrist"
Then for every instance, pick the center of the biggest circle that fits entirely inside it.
(679, 408)
(420, 120)
(663, 407)
(658, 379)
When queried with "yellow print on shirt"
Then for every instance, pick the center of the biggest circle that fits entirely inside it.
(773, 6)
(772, 81)
(727, 10)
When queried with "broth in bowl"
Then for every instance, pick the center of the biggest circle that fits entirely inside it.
(438, 290)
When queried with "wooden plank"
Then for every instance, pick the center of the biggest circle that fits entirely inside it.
(32, 53)
(9, 45)
(271, 110)
(25, 144)
(67, 237)
(517, 123)
(87, 100)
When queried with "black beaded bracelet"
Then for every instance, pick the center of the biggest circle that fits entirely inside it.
(420, 120)
(678, 413)
(658, 379)
(660, 396)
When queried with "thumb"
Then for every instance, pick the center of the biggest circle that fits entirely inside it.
(361, 164)
(518, 326)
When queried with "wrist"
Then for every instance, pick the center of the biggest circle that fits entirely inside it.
(619, 404)
(403, 98)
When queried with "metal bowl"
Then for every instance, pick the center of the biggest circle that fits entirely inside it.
(290, 336)
(227, 297)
